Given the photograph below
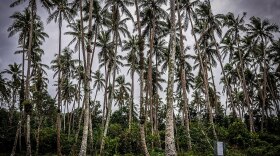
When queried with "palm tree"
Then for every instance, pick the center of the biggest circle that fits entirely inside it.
(274, 55)
(21, 25)
(202, 58)
(141, 75)
(87, 60)
(63, 11)
(170, 148)
(122, 89)
(4, 91)
(33, 8)
(98, 83)
(262, 31)
(104, 42)
(183, 76)
(236, 25)
(117, 26)
(132, 61)
(15, 73)
(151, 14)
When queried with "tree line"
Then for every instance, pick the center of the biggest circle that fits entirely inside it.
(246, 50)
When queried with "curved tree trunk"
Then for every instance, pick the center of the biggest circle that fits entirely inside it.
(205, 80)
(229, 91)
(245, 90)
(170, 149)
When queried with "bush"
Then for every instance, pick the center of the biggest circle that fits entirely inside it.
(238, 134)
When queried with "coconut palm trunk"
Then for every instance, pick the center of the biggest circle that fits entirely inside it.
(244, 87)
(83, 149)
(150, 78)
(264, 83)
(16, 139)
(111, 96)
(205, 79)
(170, 148)
(131, 100)
(183, 80)
(228, 87)
(142, 70)
(59, 99)
(28, 76)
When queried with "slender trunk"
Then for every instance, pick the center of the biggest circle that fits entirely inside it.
(28, 76)
(16, 139)
(170, 148)
(58, 122)
(83, 149)
(142, 70)
(94, 46)
(150, 78)
(229, 91)
(22, 88)
(244, 87)
(183, 81)
(64, 115)
(105, 96)
(28, 135)
(205, 79)
(11, 112)
(71, 119)
(131, 102)
(111, 96)
(264, 85)
(38, 135)
(215, 91)
(90, 134)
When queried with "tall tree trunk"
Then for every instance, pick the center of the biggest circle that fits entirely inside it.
(170, 149)
(90, 133)
(38, 135)
(205, 79)
(183, 81)
(215, 91)
(58, 118)
(22, 89)
(104, 111)
(28, 152)
(131, 101)
(111, 96)
(16, 139)
(71, 119)
(142, 70)
(264, 85)
(244, 87)
(83, 149)
(28, 76)
(150, 77)
(229, 91)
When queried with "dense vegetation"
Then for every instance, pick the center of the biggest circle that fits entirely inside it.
(162, 92)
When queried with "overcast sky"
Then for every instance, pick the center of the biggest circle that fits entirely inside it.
(269, 9)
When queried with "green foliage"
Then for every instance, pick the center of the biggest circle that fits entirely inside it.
(238, 134)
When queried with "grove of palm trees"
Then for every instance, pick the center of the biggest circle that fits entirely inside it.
(139, 77)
